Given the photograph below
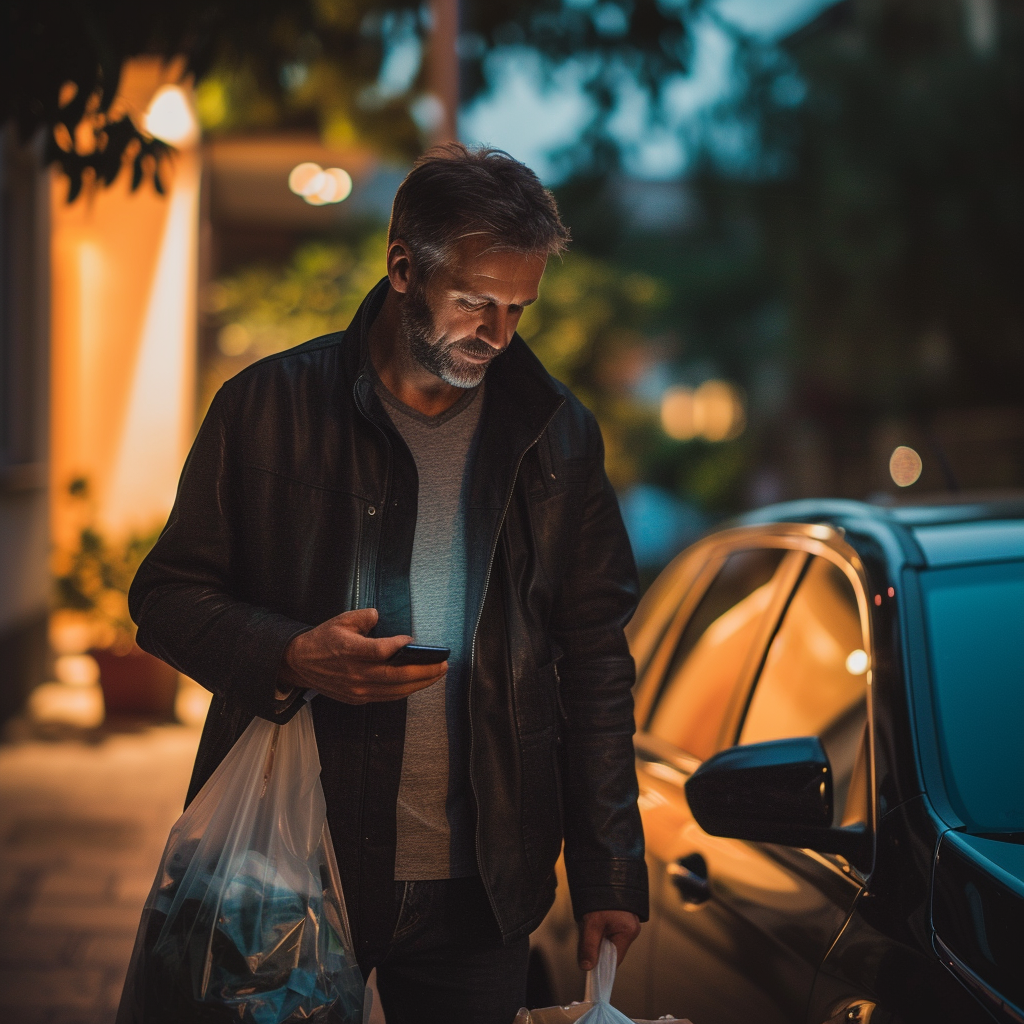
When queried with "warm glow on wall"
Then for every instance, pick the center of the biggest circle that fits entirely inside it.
(714, 412)
(124, 279)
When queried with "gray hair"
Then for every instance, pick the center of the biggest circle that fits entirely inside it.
(453, 193)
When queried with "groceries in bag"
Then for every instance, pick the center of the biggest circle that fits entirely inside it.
(246, 920)
(595, 1010)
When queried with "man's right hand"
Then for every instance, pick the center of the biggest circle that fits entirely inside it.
(339, 660)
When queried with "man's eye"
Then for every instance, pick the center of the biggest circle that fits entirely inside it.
(471, 307)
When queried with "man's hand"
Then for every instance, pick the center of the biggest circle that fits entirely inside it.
(339, 660)
(620, 926)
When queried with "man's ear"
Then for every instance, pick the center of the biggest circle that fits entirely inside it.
(399, 266)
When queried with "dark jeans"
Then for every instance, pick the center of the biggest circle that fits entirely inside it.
(446, 961)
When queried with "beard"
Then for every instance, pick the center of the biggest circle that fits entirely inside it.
(436, 352)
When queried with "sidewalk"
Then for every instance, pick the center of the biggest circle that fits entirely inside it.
(83, 822)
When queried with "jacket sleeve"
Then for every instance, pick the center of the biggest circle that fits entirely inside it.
(183, 597)
(604, 844)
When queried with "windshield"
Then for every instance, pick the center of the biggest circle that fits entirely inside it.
(975, 625)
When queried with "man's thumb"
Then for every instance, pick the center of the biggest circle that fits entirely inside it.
(362, 620)
(589, 945)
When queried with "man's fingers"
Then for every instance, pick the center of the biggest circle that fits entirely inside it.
(389, 645)
(373, 649)
(398, 675)
(402, 691)
(622, 943)
(362, 620)
(591, 933)
(620, 926)
(372, 692)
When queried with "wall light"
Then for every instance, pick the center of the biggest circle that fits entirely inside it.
(170, 117)
(319, 186)
(714, 411)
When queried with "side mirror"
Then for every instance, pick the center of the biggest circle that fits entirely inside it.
(775, 792)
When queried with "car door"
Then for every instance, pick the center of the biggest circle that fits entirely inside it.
(740, 928)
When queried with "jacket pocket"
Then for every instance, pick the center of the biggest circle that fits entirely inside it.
(541, 806)
(536, 699)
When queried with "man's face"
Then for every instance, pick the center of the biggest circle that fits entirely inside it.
(466, 314)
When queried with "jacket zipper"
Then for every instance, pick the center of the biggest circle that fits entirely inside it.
(472, 652)
(368, 727)
(359, 562)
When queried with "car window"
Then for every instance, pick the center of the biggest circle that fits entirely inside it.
(814, 682)
(974, 616)
(711, 651)
(659, 605)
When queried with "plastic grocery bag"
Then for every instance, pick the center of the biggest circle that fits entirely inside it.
(602, 978)
(246, 920)
(596, 1007)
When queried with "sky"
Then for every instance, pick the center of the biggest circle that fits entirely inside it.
(531, 119)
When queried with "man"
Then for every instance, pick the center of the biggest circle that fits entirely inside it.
(421, 475)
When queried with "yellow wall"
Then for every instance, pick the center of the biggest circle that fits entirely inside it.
(124, 268)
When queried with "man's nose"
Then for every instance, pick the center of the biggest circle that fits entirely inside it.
(495, 328)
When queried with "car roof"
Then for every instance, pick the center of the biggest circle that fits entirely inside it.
(932, 533)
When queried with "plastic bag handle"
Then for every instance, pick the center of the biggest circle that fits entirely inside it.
(601, 979)
(268, 767)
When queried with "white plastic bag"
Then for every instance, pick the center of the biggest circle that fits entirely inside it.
(596, 1007)
(599, 989)
(246, 920)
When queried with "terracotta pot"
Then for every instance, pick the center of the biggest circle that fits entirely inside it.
(136, 684)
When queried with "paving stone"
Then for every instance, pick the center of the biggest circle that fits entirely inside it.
(105, 951)
(100, 917)
(55, 987)
(112, 987)
(82, 828)
(20, 946)
(76, 885)
(134, 888)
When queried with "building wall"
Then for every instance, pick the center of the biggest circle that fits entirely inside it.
(24, 406)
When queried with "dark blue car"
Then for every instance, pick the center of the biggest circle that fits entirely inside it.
(830, 748)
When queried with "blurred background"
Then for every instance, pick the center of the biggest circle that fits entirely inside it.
(796, 271)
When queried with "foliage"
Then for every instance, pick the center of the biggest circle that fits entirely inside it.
(854, 265)
(349, 69)
(95, 577)
(264, 309)
(888, 194)
(592, 328)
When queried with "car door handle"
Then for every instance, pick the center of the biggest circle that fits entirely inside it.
(690, 877)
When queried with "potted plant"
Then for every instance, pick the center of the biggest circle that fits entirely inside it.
(93, 579)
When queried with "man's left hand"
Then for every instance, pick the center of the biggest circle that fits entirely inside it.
(620, 926)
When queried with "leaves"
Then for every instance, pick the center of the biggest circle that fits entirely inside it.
(95, 576)
(351, 70)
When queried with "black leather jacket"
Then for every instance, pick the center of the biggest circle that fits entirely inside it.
(298, 502)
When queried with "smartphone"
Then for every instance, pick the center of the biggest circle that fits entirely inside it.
(418, 654)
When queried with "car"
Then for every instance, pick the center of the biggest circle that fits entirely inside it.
(830, 755)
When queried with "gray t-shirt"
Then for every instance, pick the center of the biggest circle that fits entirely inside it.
(435, 818)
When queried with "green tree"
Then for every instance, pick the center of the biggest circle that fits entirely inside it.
(884, 201)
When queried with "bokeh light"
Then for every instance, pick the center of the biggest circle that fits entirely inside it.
(714, 412)
(905, 466)
(319, 186)
(170, 117)
(233, 340)
(857, 662)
